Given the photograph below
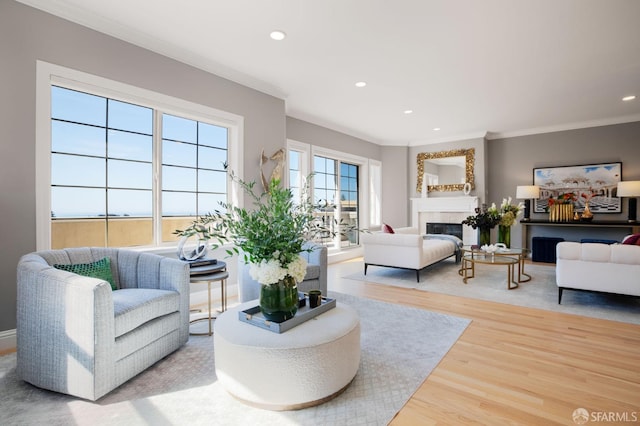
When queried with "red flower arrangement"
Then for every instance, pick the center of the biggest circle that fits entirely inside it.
(587, 197)
(566, 198)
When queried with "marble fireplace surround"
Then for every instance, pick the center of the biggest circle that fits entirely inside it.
(445, 210)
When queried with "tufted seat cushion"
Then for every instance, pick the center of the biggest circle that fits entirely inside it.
(134, 306)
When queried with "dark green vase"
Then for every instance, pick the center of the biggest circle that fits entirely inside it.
(504, 235)
(485, 236)
(279, 301)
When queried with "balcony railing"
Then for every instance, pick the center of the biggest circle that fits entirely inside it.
(112, 231)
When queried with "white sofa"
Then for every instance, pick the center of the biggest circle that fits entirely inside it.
(408, 249)
(598, 267)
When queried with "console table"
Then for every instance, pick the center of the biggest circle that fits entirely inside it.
(633, 228)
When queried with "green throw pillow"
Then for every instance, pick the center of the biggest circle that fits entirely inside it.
(99, 269)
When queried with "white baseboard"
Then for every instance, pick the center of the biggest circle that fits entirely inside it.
(341, 256)
(8, 340)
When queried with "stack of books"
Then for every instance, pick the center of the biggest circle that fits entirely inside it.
(201, 262)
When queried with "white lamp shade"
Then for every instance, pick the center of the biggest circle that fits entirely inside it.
(527, 192)
(630, 188)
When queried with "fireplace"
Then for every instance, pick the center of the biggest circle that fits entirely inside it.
(445, 228)
(445, 211)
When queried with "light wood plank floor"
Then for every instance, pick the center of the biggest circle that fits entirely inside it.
(516, 365)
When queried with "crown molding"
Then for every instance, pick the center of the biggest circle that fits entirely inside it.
(564, 127)
(132, 36)
(452, 138)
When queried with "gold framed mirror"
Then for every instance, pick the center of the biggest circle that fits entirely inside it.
(450, 169)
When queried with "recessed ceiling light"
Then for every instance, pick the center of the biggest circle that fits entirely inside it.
(629, 98)
(278, 35)
(435, 129)
(361, 84)
(408, 111)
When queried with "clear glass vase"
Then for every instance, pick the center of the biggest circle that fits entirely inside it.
(279, 301)
(504, 235)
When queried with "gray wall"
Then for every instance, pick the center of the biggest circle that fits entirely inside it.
(312, 134)
(395, 185)
(27, 35)
(511, 163)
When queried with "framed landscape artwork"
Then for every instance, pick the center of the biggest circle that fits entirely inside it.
(598, 181)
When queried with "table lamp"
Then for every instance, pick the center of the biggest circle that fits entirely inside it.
(526, 193)
(630, 189)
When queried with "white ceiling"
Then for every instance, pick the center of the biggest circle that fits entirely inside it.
(469, 67)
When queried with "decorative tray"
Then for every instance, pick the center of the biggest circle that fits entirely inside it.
(253, 316)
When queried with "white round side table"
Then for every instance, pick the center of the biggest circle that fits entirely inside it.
(304, 366)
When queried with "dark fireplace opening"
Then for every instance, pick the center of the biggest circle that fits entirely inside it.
(445, 228)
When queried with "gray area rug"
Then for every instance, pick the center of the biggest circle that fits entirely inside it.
(490, 283)
(400, 347)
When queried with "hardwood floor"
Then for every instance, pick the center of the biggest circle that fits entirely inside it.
(516, 365)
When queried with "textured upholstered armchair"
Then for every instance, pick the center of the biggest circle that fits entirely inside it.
(77, 336)
(316, 277)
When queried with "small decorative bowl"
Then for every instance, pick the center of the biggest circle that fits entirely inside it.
(489, 248)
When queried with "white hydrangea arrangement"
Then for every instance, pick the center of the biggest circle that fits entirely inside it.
(270, 271)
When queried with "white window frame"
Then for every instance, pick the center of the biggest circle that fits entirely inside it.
(375, 193)
(48, 74)
(308, 152)
(304, 151)
(363, 176)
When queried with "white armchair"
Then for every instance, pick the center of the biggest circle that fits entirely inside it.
(77, 336)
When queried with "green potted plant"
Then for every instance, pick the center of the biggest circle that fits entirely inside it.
(508, 214)
(270, 237)
(485, 219)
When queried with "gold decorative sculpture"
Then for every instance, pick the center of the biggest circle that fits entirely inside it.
(276, 173)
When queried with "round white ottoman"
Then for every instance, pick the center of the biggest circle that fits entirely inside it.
(304, 366)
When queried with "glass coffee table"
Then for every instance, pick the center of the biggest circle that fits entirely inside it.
(520, 253)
